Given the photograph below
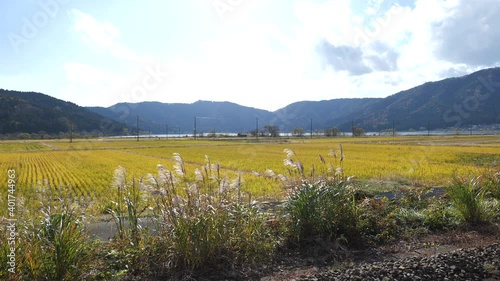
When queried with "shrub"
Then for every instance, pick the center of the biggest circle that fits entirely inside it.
(418, 210)
(439, 216)
(467, 197)
(377, 220)
(323, 210)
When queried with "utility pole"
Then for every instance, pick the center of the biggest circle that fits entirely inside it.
(194, 127)
(428, 128)
(137, 128)
(393, 131)
(352, 127)
(70, 130)
(311, 128)
(257, 127)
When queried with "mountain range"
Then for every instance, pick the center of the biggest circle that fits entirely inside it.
(458, 102)
(454, 102)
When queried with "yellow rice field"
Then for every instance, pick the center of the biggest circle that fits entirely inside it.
(85, 167)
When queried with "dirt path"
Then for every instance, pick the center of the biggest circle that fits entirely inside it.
(105, 230)
(50, 146)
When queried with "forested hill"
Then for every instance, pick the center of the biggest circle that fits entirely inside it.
(458, 102)
(455, 102)
(30, 112)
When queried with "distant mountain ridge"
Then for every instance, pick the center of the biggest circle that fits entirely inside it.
(179, 118)
(454, 102)
(31, 112)
(459, 102)
(323, 114)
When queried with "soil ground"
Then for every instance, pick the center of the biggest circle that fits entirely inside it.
(425, 245)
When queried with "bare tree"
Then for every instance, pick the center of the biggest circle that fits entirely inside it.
(272, 130)
(357, 132)
(331, 132)
(298, 132)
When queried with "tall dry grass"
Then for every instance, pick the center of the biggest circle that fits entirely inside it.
(203, 220)
(53, 245)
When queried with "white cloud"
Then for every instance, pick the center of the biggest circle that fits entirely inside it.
(91, 86)
(124, 81)
(331, 20)
(102, 36)
(87, 85)
(470, 35)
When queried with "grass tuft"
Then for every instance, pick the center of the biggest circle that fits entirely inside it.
(467, 197)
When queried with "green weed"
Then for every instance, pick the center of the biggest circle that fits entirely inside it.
(467, 197)
(52, 246)
(322, 210)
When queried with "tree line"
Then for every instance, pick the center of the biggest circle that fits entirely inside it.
(274, 131)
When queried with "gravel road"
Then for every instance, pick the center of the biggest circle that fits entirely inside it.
(482, 263)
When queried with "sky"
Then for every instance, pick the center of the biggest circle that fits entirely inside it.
(259, 53)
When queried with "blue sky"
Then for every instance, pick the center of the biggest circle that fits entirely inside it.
(258, 53)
